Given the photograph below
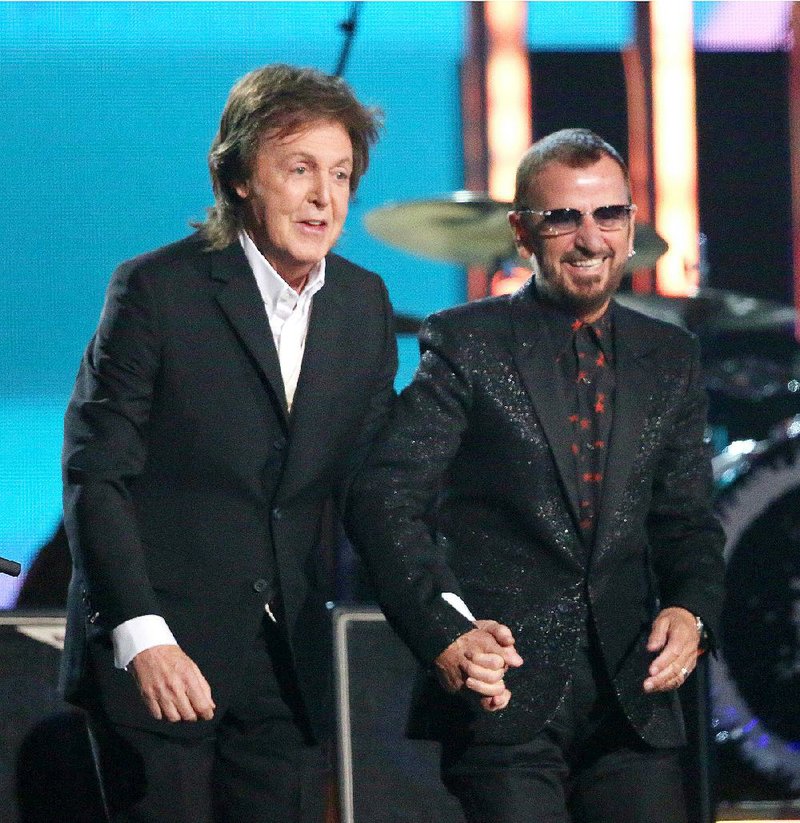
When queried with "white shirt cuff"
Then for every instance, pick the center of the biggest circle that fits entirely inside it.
(136, 635)
(458, 604)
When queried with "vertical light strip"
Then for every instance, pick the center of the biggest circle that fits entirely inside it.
(794, 152)
(473, 122)
(638, 132)
(675, 144)
(638, 150)
(508, 93)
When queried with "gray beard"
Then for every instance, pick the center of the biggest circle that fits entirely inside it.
(572, 302)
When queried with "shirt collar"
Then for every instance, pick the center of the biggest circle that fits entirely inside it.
(271, 285)
(604, 331)
(561, 326)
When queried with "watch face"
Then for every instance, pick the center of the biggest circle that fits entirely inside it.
(701, 630)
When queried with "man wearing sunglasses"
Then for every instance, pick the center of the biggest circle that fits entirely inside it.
(546, 469)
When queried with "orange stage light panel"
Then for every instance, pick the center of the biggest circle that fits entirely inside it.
(675, 144)
(508, 94)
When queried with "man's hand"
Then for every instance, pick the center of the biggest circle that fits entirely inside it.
(675, 636)
(478, 660)
(171, 685)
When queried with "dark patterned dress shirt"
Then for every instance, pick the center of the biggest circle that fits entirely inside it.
(586, 364)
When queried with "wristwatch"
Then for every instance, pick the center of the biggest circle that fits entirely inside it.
(702, 643)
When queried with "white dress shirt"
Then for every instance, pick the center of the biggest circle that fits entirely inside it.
(288, 312)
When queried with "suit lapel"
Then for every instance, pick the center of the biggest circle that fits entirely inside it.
(636, 374)
(241, 301)
(536, 362)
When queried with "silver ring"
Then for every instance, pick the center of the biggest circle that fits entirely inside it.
(684, 672)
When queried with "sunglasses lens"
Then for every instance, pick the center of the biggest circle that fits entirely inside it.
(560, 221)
(611, 217)
(566, 221)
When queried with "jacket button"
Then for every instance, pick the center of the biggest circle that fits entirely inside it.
(260, 585)
(278, 444)
(277, 513)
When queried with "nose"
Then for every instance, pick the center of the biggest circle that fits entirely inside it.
(320, 191)
(588, 235)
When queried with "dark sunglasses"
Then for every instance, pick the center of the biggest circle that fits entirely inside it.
(566, 221)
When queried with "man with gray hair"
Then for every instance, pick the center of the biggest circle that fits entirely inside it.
(231, 387)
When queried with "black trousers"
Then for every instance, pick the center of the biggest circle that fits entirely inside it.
(587, 766)
(258, 766)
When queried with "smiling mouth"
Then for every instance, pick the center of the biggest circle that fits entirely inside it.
(587, 263)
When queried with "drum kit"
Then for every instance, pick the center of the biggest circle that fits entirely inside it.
(751, 365)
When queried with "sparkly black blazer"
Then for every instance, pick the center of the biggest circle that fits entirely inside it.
(472, 490)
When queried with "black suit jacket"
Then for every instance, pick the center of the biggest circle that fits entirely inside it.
(472, 490)
(189, 491)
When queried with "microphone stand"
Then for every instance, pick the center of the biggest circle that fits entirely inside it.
(10, 567)
(348, 27)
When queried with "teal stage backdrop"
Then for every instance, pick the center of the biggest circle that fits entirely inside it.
(108, 110)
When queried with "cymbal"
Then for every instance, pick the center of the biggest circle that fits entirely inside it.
(463, 227)
(470, 228)
(715, 311)
(648, 245)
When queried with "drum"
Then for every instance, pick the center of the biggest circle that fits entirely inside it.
(749, 393)
(755, 681)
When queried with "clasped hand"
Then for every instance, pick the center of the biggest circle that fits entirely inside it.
(478, 661)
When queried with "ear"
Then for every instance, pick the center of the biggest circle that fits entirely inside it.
(242, 189)
(522, 238)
